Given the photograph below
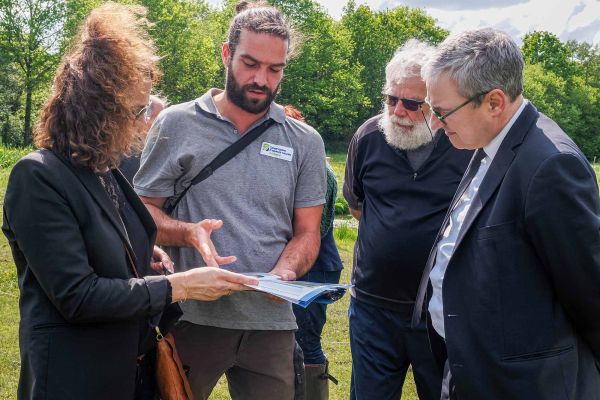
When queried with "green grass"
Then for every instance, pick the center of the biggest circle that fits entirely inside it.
(9, 313)
(338, 164)
(335, 335)
(9, 156)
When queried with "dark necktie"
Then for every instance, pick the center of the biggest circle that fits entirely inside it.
(463, 185)
(466, 179)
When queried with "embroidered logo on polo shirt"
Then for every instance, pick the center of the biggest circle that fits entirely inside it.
(276, 151)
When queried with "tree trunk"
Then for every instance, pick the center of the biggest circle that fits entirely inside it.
(5, 128)
(27, 139)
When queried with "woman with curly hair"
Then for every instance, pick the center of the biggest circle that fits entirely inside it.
(81, 239)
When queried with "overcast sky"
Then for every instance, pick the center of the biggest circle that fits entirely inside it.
(567, 19)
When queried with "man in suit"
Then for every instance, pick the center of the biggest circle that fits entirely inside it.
(513, 278)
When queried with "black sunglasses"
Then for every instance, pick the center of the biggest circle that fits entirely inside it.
(410, 105)
(442, 117)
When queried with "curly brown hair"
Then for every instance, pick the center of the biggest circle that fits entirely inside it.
(90, 115)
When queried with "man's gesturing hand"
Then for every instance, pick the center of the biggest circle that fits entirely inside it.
(202, 242)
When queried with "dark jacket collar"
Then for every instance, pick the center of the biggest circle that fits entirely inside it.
(505, 156)
(91, 183)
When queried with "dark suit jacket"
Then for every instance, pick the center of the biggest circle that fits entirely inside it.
(521, 292)
(81, 304)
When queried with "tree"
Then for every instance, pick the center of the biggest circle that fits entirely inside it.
(546, 49)
(570, 104)
(30, 36)
(377, 35)
(185, 33)
(562, 81)
(75, 13)
(10, 90)
(323, 81)
(587, 59)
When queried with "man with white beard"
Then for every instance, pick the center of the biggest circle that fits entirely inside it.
(400, 179)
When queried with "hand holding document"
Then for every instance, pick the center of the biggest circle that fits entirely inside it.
(298, 292)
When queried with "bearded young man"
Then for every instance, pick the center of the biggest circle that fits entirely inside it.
(400, 179)
(270, 205)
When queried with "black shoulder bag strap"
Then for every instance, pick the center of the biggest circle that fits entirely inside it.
(221, 159)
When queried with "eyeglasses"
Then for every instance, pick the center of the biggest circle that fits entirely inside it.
(410, 105)
(443, 117)
(143, 111)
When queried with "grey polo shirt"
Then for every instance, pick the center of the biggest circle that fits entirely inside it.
(255, 195)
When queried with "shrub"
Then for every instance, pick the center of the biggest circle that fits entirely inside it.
(344, 233)
(9, 156)
(341, 207)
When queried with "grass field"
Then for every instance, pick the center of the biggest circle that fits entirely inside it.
(335, 337)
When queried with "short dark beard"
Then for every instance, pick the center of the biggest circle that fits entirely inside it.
(237, 94)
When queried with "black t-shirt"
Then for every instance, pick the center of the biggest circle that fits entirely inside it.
(138, 238)
(129, 166)
(402, 211)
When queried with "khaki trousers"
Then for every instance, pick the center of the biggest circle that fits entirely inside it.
(258, 364)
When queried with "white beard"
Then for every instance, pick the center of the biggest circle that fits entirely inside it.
(400, 137)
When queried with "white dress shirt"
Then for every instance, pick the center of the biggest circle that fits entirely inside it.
(446, 244)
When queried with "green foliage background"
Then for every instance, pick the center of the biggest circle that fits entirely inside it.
(336, 80)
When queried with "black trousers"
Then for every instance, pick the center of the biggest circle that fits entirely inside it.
(384, 345)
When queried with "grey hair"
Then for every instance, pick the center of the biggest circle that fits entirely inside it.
(407, 62)
(478, 61)
(261, 18)
(157, 100)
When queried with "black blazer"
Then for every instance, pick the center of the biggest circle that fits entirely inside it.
(81, 303)
(521, 292)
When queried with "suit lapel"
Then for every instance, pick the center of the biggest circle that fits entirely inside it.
(502, 161)
(90, 181)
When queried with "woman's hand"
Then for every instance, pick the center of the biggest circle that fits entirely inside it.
(161, 260)
(207, 283)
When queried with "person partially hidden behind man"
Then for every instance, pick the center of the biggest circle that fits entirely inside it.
(400, 179)
(130, 164)
(326, 269)
(270, 198)
(514, 275)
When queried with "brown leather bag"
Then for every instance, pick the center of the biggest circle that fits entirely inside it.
(170, 377)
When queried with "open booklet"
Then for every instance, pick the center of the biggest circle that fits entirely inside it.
(298, 292)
